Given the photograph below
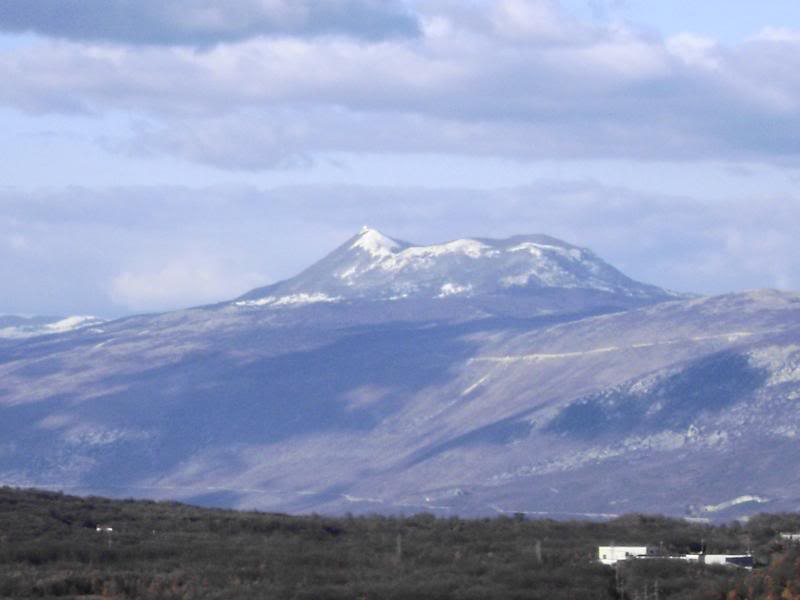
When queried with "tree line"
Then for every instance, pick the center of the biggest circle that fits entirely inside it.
(50, 547)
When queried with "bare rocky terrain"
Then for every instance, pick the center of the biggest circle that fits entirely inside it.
(472, 377)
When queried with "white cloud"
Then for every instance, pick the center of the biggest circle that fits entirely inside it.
(539, 20)
(778, 34)
(180, 282)
(509, 78)
(694, 50)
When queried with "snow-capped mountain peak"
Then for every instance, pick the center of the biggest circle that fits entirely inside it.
(374, 266)
(375, 243)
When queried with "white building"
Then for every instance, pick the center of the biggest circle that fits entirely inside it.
(791, 537)
(731, 560)
(609, 555)
(728, 560)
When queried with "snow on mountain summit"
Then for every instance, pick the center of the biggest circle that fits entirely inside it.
(374, 266)
(375, 243)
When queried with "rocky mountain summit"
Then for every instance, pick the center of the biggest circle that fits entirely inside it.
(471, 377)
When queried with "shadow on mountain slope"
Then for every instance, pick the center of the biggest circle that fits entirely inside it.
(672, 402)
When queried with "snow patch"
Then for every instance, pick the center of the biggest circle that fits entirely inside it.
(469, 248)
(375, 243)
(348, 273)
(536, 250)
(786, 431)
(61, 326)
(422, 257)
(517, 280)
(291, 300)
(474, 386)
(735, 502)
(550, 274)
(71, 323)
(781, 362)
(351, 498)
(305, 299)
(99, 436)
(453, 289)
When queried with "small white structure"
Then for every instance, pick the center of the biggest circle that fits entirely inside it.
(791, 537)
(728, 560)
(610, 555)
(104, 529)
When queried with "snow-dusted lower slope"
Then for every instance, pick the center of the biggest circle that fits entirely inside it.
(14, 327)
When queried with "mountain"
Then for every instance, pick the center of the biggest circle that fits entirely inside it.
(550, 383)
(371, 266)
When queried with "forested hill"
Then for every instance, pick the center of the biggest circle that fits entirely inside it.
(50, 547)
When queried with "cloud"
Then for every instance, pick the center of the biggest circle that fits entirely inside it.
(524, 20)
(778, 34)
(113, 251)
(695, 50)
(512, 78)
(203, 22)
(179, 282)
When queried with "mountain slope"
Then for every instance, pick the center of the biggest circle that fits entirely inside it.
(15, 327)
(501, 399)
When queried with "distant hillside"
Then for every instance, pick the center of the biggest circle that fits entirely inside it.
(473, 377)
(50, 547)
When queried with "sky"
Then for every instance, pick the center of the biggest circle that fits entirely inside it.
(158, 154)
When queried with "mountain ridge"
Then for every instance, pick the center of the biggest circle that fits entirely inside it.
(373, 266)
(540, 400)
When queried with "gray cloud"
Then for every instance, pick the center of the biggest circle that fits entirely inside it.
(204, 22)
(146, 248)
(513, 78)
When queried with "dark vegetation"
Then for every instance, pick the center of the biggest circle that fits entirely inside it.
(50, 548)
